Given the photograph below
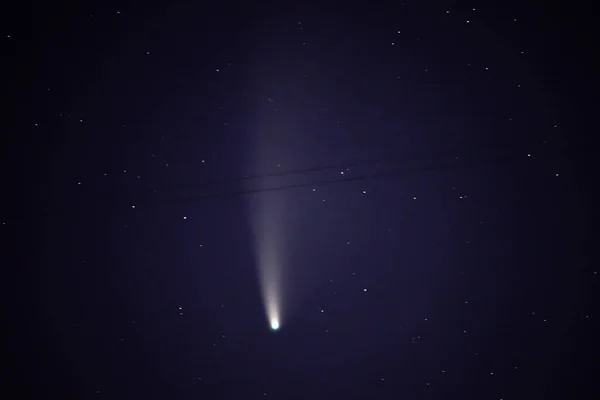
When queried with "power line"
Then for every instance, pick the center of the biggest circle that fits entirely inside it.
(397, 172)
(389, 159)
(158, 199)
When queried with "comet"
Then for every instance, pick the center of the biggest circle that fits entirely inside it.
(269, 215)
(269, 243)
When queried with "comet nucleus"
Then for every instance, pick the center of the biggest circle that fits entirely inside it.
(274, 324)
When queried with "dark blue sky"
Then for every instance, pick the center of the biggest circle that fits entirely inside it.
(419, 172)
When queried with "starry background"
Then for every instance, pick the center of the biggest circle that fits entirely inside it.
(433, 159)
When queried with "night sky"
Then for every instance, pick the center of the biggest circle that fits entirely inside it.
(300, 201)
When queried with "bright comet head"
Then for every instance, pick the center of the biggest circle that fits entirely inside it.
(274, 324)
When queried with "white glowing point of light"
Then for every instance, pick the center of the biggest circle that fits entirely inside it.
(274, 324)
